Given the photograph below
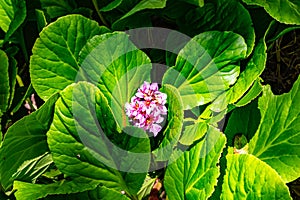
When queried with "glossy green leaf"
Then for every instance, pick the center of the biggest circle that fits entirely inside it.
(194, 174)
(142, 5)
(13, 14)
(101, 192)
(244, 120)
(4, 82)
(54, 63)
(277, 140)
(146, 187)
(80, 147)
(111, 5)
(117, 67)
(251, 94)
(174, 126)
(284, 11)
(205, 67)
(25, 140)
(58, 8)
(277, 30)
(247, 177)
(29, 191)
(104, 193)
(193, 132)
(219, 15)
(30, 170)
(41, 19)
(253, 70)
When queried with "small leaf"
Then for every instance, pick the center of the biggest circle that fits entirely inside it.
(205, 67)
(101, 192)
(284, 11)
(142, 5)
(194, 174)
(277, 140)
(25, 140)
(4, 82)
(174, 126)
(41, 19)
(247, 177)
(13, 14)
(30, 170)
(111, 5)
(193, 132)
(29, 191)
(251, 94)
(54, 63)
(146, 187)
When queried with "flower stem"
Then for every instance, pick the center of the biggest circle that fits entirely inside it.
(99, 13)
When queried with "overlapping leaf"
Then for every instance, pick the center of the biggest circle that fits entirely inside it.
(13, 14)
(285, 11)
(205, 67)
(253, 70)
(81, 148)
(277, 140)
(141, 5)
(117, 67)
(24, 141)
(54, 63)
(218, 15)
(28, 191)
(174, 126)
(243, 121)
(195, 173)
(247, 177)
(4, 82)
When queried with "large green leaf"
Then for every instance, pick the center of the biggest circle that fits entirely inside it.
(205, 67)
(174, 126)
(194, 174)
(13, 14)
(142, 5)
(25, 140)
(284, 11)
(253, 70)
(277, 140)
(81, 148)
(117, 67)
(54, 63)
(218, 15)
(247, 177)
(29, 191)
(4, 82)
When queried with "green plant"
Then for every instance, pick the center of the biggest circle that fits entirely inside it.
(225, 135)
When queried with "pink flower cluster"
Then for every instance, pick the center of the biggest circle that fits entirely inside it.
(147, 108)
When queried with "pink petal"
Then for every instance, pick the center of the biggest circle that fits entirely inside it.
(155, 128)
